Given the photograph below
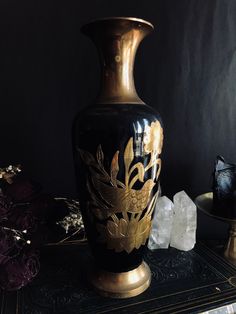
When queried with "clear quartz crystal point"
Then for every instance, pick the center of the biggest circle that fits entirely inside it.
(162, 224)
(183, 235)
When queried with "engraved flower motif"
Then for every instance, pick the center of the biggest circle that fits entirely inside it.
(124, 234)
(114, 198)
(153, 138)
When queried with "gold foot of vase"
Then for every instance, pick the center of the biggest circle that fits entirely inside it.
(121, 285)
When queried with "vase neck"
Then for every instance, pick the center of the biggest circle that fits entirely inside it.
(117, 40)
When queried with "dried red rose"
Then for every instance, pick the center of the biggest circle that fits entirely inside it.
(22, 190)
(5, 206)
(22, 206)
(22, 219)
(18, 272)
(10, 244)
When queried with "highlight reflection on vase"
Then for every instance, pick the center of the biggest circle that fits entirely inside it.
(117, 147)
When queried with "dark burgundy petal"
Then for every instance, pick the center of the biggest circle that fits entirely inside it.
(18, 272)
(5, 206)
(21, 218)
(10, 245)
(22, 190)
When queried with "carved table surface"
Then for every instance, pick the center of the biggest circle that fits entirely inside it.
(182, 282)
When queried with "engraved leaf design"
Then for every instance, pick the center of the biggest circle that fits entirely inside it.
(151, 205)
(100, 156)
(128, 154)
(121, 184)
(139, 176)
(123, 227)
(87, 158)
(112, 228)
(159, 168)
(100, 174)
(133, 225)
(129, 244)
(114, 168)
(96, 167)
(141, 171)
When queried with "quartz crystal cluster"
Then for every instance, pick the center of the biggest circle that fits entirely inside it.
(162, 224)
(174, 223)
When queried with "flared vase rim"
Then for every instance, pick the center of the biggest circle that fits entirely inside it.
(124, 18)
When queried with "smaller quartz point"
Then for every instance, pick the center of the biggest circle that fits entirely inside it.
(162, 224)
(183, 235)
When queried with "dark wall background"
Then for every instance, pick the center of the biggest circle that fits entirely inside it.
(186, 69)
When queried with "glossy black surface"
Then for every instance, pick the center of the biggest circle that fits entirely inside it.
(110, 126)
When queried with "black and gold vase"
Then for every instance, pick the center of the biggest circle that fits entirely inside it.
(117, 145)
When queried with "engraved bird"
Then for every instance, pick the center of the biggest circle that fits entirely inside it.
(122, 199)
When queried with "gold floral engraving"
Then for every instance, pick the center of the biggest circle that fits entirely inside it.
(153, 138)
(123, 210)
(127, 233)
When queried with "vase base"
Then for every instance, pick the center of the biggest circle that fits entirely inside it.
(121, 285)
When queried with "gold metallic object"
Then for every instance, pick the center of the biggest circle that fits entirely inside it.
(121, 285)
(117, 40)
(230, 249)
(119, 182)
(9, 173)
(124, 210)
(205, 203)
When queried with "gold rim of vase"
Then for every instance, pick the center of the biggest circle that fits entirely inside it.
(127, 18)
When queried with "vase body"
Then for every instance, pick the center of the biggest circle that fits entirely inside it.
(117, 144)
